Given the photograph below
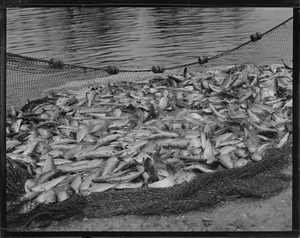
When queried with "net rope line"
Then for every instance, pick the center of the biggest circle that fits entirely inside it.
(29, 78)
(31, 59)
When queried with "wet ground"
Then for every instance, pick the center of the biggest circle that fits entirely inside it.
(272, 214)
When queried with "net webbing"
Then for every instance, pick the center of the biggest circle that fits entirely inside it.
(254, 180)
(30, 78)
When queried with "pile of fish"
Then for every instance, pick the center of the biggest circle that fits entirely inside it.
(158, 133)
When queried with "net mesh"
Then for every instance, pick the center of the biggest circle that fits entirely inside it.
(254, 180)
(30, 78)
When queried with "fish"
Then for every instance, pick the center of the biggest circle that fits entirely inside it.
(146, 177)
(222, 138)
(124, 165)
(75, 185)
(163, 135)
(63, 141)
(164, 183)
(82, 102)
(159, 132)
(227, 149)
(86, 183)
(288, 104)
(10, 144)
(241, 152)
(106, 178)
(66, 132)
(199, 167)
(240, 162)
(44, 133)
(134, 148)
(256, 157)
(196, 151)
(203, 140)
(177, 143)
(62, 147)
(101, 187)
(80, 135)
(251, 141)
(63, 101)
(208, 153)
(88, 110)
(241, 79)
(205, 84)
(68, 127)
(101, 152)
(225, 160)
(16, 125)
(111, 164)
(264, 147)
(118, 123)
(253, 117)
(219, 115)
(215, 88)
(184, 176)
(29, 196)
(99, 127)
(194, 143)
(227, 81)
(63, 193)
(283, 140)
(106, 140)
(126, 178)
(28, 184)
(46, 176)
(47, 196)
(194, 118)
(259, 108)
(21, 157)
(176, 78)
(150, 147)
(49, 164)
(48, 185)
(69, 154)
(41, 145)
(13, 112)
(163, 103)
(263, 128)
(89, 164)
(129, 185)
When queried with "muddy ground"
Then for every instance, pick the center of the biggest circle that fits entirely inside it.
(272, 214)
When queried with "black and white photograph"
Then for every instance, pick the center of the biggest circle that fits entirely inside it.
(148, 119)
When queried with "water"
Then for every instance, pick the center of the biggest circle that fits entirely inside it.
(134, 38)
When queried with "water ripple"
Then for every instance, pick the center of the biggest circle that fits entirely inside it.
(134, 37)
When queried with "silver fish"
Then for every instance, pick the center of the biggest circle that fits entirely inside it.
(48, 185)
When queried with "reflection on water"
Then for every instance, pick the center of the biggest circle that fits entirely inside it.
(134, 37)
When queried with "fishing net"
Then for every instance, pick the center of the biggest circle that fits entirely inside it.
(30, 79)
(255, 180)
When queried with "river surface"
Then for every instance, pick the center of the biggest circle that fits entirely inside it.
(134, 38)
